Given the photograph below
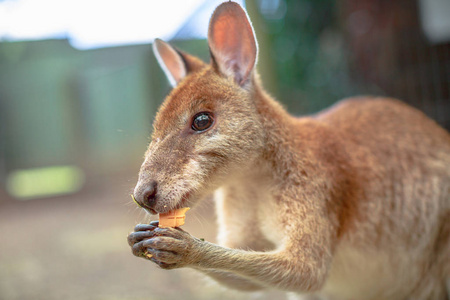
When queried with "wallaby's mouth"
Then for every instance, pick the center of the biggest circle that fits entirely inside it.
(151, 211)
(182, 203)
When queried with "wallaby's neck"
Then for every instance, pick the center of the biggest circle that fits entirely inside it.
(294, 152)
(268, 107)
(279, 127)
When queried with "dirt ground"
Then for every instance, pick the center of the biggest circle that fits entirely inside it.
(74, 247)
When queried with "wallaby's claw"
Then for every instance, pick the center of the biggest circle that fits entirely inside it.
(141, 232)
(145, 227)
(163, 265)
(138, 250)
(154, 223)
(136, 237)
(165, 257)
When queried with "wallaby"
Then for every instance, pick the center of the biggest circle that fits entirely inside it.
(349, 203)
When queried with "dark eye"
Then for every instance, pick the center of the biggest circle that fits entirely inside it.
(202, 121)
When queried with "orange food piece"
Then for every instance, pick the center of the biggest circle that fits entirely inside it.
(173, 218)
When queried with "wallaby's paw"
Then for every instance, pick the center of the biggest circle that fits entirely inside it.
(171, 248)
(140, 234)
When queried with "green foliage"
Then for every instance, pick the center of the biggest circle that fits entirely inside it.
(309, 52)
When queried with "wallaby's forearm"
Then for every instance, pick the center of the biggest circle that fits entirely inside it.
(276, 269)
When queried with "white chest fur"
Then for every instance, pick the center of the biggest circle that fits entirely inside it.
(364, 274)
(268, 220)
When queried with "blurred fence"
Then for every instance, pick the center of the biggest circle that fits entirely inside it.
(68, 106)
(92, 109)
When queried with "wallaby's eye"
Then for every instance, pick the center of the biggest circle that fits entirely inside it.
(202, 121)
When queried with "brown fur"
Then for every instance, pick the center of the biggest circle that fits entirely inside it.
(350, 203)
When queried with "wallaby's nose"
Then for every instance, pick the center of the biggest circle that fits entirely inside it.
(148, 197)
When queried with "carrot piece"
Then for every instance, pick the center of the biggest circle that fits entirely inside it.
(173, 218)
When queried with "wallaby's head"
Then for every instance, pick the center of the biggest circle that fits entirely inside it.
(208, 127)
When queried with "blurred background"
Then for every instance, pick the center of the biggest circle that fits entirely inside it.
(79, 87)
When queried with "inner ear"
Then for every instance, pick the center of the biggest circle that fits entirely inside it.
(232, 42)
(176, 64)
(170, 61)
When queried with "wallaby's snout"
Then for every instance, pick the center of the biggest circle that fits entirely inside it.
(170, 175)
(146, 196)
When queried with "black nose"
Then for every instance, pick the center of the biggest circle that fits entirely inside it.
(149, 195)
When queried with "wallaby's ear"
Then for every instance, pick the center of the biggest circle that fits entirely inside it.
(175, 63)
(232, 42)
(170, 61)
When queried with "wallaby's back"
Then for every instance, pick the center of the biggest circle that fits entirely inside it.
(401, 160)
